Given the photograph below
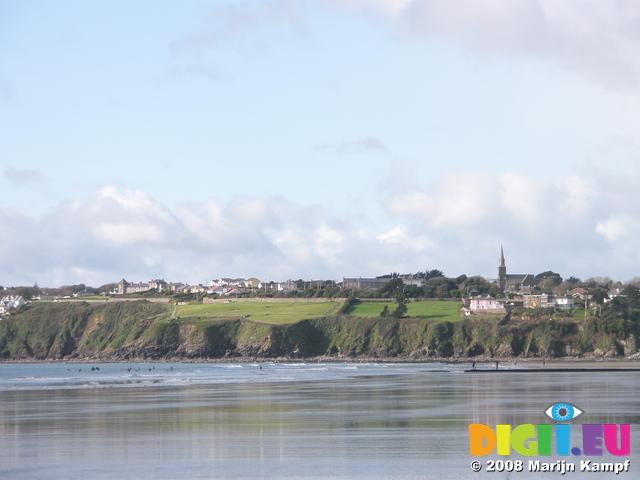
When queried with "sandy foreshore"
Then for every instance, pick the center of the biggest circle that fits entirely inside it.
(480, 363)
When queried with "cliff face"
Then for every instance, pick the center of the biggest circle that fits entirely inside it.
(59, 330)
(142, 330)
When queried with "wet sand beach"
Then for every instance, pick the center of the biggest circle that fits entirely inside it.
(285, 420)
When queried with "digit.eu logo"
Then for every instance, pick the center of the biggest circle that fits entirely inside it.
(530, 440)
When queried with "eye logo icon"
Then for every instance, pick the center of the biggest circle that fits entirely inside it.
(563, 412)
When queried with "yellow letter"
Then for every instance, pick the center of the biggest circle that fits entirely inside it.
(504, 439)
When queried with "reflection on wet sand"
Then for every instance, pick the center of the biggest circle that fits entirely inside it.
(379, 426)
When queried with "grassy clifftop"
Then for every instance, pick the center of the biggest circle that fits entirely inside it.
(142, 330)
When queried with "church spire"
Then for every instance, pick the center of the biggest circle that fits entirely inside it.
(502, 271)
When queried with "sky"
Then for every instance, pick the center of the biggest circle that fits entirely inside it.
(317, 139)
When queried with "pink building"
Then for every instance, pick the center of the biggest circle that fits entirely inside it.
(486, 302)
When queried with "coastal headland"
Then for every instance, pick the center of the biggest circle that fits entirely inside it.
(148, 331)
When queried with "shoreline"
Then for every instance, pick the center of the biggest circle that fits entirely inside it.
(481, 365)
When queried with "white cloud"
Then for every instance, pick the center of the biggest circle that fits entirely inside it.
(616, 226)
(458, 200)
(125, 218)
(577, 193)
(329, 241)
(130, 200)
(524, 199)
(597, 39)
(116, 233)
(121, 234)
(395, 235)
(401, 236)
(569, 224)
(574, 223)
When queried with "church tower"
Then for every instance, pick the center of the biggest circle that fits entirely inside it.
(502, 271)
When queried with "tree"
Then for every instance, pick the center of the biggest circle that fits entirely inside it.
(25, 292)
(412, 291)
(461, 279)
(563, 288)
(348, 304)
(627, 301)
(392, 288)
(439, 287)
(385, 311)
(433, 274)
(595, 282)
(427, 274)
(476, 283)
(555, 278)
(599, 296)
(401, 309)
(548, 284)
(573, 280)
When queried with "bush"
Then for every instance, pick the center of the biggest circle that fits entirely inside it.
(348, 304)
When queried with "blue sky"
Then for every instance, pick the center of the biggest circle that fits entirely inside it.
(317, 139)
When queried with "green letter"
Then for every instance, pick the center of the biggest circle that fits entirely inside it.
(524, 434)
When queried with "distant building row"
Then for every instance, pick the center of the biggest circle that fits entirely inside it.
(508, 283)
(373, 283)
(223, 286)
(483, 303)
(125, 287)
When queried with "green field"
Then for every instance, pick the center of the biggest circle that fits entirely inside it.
(260, 311)
(280, 313)
(438, 311)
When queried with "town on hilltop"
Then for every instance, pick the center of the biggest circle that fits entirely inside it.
(477, 294)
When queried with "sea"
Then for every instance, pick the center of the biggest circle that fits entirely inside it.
(296, 420)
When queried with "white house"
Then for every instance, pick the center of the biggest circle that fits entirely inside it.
(287, 286)
(228, 282)
(9, 302)
(411, 280)
(265, 286)
(565, 303)
(196, 289)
